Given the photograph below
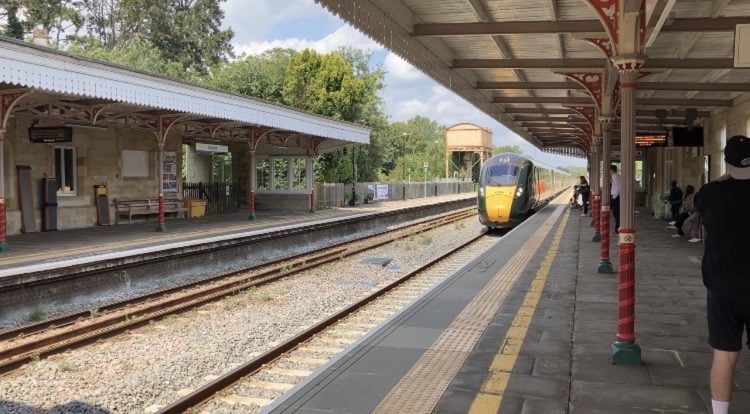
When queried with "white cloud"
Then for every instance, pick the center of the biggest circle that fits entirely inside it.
(400, 69)
(250, 19)
(343, 36)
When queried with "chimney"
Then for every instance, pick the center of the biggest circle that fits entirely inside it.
(40, 37)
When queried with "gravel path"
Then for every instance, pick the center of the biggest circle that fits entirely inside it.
(150, 367)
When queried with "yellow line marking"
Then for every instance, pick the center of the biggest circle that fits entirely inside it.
(421, 387)
(491, 392)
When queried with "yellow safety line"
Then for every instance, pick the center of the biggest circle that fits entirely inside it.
(421, 387)
(491, 392)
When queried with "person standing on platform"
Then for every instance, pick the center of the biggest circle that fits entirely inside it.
(685, 210)
(584, 190)
(675, 201)
(615, 196)
(722, 206)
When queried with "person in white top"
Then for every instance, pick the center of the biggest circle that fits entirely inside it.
(615, 196)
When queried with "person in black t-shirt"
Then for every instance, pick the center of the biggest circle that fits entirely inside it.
(584, 190)
(675, 200)
(723, 208)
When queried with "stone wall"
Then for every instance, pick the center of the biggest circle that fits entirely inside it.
(98, 161)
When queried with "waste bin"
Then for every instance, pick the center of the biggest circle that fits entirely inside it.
(196, 207)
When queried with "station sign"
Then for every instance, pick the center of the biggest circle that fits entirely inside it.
(39, 135)
(211, 148)
(650, 140)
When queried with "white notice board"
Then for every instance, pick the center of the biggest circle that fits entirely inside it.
(135, 163)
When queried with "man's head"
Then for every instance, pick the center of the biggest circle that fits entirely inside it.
(613, 168)
(674, 183)
(737, 157)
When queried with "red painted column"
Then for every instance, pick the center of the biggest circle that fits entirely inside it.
(162, 226)
(4, 247)
(625, 351)
(605, 265)
(252, 183)
(312, 200)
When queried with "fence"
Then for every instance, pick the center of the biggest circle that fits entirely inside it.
(220, 198)
(338, 195)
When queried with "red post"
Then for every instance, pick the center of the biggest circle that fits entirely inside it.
(251, 204)
(605, 265)
(626, 287)
(595, 214)
(3, 240)
(162, 226)
(312, 200)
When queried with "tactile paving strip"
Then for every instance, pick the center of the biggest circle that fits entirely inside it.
(421, 388)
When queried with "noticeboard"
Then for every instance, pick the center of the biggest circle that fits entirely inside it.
(50, 134)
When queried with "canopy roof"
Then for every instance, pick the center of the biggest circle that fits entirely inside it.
(505, 57)
(81, 82)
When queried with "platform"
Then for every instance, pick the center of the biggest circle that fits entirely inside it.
(51, 249)
(527, 327)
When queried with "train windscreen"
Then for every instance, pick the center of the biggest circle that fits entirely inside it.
(502, 174)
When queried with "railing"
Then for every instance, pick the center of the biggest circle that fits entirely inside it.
(221, 198)
(338, 195)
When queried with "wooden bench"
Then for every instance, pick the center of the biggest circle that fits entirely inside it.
(147, 206)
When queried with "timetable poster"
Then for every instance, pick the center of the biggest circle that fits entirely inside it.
(169, 172)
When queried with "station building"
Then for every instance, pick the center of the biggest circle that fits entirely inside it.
(76, 124)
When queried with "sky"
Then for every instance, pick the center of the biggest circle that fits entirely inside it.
(260, 25)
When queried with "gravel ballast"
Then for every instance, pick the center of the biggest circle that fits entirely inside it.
(152, 366)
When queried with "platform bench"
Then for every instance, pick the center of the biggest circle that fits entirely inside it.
(147, 206)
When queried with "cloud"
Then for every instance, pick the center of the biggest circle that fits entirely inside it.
(341, 37)
(250, 19)
(400, 69)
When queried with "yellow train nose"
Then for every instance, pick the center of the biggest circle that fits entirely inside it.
(498, 203)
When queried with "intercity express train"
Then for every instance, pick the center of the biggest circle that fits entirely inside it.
(512, 187)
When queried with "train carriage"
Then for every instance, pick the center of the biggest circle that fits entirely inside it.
(513, 186)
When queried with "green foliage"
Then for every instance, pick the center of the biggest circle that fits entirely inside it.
(262, 76)
(500, 149)
(407, 145)
(9, 11)
(575, 171)
(36, 314)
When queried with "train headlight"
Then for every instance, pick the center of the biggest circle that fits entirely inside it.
(519, 192)
(481, 191)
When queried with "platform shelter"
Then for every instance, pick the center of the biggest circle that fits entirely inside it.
(590, 78)
(76, 129)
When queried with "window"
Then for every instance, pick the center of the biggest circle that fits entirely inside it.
(280, 174)
(299, 174)
(65, 171)
(263, 174)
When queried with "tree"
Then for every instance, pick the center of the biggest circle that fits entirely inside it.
(500, 149)
(262, 76)
(9, 12)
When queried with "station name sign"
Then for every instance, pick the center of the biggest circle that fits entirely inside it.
(211, 148)
(50, 134)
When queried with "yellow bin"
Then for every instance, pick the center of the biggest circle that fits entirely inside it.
(196, 207)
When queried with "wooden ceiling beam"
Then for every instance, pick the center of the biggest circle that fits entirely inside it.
(654, 86)
(590, 102)
(589, 63)
(488, 28)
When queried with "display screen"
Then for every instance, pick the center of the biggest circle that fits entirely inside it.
(687, 137)
(650, 140)
(50, 134)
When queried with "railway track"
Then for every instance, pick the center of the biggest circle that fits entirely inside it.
(256, 383)
(33, 341)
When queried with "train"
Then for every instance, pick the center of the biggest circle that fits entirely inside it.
(513, 186)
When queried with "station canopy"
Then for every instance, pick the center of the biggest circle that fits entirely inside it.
(70, 90)
(511, 58)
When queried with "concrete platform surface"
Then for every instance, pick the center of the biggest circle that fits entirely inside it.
(528, 328)
(62, 246)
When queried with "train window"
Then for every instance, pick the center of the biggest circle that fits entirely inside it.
(503, 174)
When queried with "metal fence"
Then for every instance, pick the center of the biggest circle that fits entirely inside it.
(338, 195)
(221, 198)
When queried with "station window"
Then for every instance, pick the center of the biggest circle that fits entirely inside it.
(280, 174)
(65, 170)
(263, 174)
(299, 174)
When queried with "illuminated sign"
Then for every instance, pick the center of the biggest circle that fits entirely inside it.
(650, 140)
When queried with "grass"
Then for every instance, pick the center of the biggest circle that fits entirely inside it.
(94, 313)
(265, 296)
(460, 225)
(63, 365)
(425, 240)
(35, 357)
(36, 314)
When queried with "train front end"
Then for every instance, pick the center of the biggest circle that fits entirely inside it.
(502, 191)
